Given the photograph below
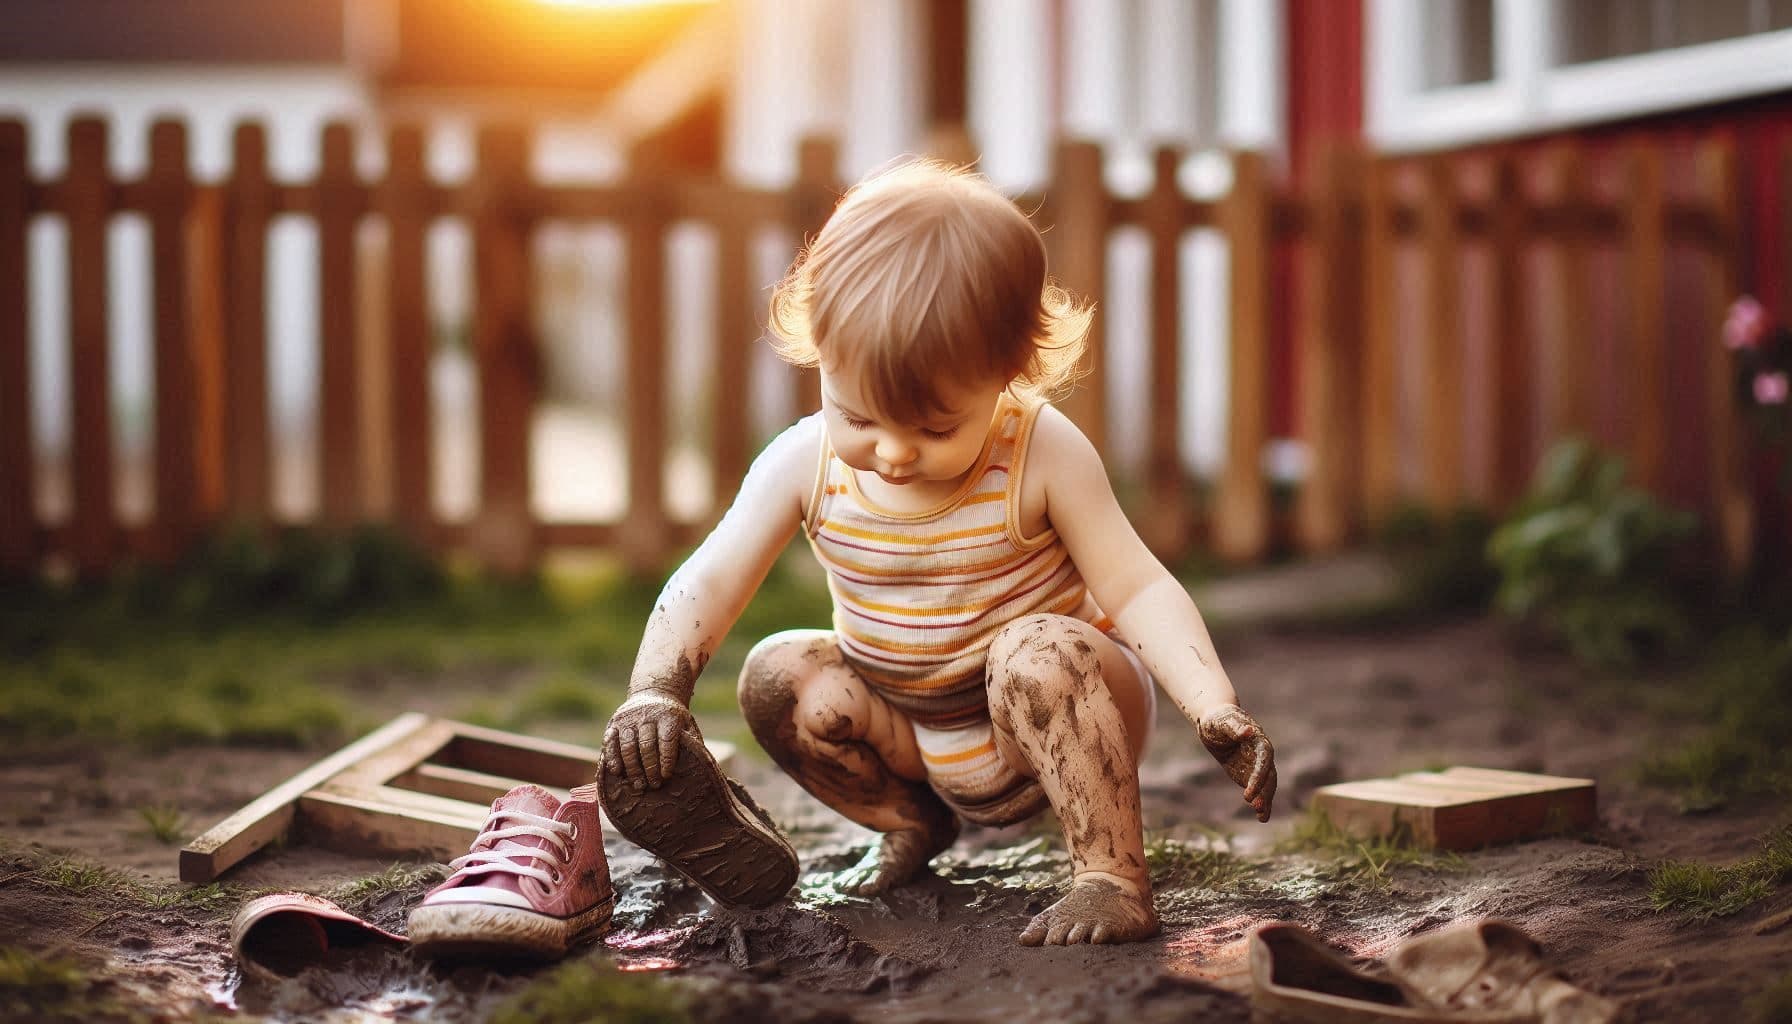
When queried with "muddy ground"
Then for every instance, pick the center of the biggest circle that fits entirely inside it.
(1337, 705)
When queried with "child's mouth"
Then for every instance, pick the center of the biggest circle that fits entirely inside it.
(904, 479)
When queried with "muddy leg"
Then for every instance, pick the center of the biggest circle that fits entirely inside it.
(849, 749)
(1056, 720)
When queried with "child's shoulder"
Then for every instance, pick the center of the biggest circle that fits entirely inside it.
(1058, 456)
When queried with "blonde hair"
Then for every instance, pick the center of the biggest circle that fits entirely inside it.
(923, 274)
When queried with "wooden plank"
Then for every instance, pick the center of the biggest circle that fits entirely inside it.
(1461, 808)
(268, 817)
(379, 767)
(644, 544)
(408, 342)
(737, 328)
(1330, 356)
(462, 783)
(1730, 500)
(1645, 272)
(88, 216)
(1442, 429)
(1168, 525)
(1241, 515)
(250, 206)
(1513, 353)
(814, 194)
(18, 477)
(1076, 238)
(389, 822)
(1567, 402)
(177, 457)
(209, 337)
(504, 350)
(542, 761)
(1380, 394)
(338, 212)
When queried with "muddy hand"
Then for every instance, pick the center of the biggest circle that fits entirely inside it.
(641, 743)
(1238, 743)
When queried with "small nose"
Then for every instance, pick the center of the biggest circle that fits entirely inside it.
(894, 451)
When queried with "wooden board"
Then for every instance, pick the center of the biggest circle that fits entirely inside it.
(416, 786)
(1460, 808)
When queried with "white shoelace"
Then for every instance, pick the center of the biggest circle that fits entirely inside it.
(504, 847)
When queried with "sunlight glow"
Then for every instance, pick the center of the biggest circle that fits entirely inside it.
(618, 4)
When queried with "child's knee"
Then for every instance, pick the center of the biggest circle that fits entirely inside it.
(1041, 654)
(769, 677)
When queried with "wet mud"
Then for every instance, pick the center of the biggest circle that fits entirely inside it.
(944, 948)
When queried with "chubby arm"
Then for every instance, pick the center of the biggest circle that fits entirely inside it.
(701, 602)
(1151, 609)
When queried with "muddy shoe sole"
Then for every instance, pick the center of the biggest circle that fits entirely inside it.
(459, 931)
(706, 827)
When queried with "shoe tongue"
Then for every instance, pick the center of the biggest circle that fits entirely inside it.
(529, 800)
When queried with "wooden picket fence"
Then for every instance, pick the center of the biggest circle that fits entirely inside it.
(211, 425)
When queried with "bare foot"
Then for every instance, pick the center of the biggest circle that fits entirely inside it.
(897, 859)
(1094, 910)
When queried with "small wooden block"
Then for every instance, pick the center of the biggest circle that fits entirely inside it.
(1460, 808)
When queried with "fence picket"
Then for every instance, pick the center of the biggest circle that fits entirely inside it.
(1567, 405)
(1330, 355)
(1168, 521)
(816, 189)
(1729, 496)
(504, 351)
(1510, 332)
(1380, 413)
(250, 202)
(1442, 342)
(177, 455)
(1241, 524)
(338, 213)
(1645, 268)
(645, 535)
(736, 329)
(1077, 254)
(89, 211)
(408, 341)
(18, 476)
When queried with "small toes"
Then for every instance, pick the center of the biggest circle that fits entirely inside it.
(1034, 935)
(1058, 933)
(1101, 934)
(1079, 932)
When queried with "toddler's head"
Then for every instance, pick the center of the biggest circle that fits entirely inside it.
(927, 281)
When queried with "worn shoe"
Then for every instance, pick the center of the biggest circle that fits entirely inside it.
(1485, 973)
(706, 826)
(533, 885)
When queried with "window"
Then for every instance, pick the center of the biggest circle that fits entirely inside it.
(1446, 72)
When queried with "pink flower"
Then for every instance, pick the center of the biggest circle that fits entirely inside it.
(1771, 388)
(1746, 325)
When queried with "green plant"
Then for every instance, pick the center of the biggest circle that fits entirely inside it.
(1442, 559)
(1593, 560)
(1745, 747)
(1366, 861)
(165, 822)
(596, 990)
(1178, 863)
(396, 878)
(1705, 891)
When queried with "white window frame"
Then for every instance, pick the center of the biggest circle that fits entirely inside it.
(1529, 92)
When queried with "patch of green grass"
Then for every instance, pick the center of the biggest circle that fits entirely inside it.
(287, 641)
(596, 990)
(1704, 891)
(210, 898)
(165, 822)
(51, 988)
(1772, 1005)
(1174, 862)
(1368, 862)
(1745, 747)
(79, 877)
(396, 878)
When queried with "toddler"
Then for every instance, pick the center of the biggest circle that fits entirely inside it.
(998, 624)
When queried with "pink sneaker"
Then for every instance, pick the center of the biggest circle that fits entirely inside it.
(533, 885)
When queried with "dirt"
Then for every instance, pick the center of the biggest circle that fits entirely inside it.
(1337, 706)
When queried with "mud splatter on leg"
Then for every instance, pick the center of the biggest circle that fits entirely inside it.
(838, 740)
(1048, 700)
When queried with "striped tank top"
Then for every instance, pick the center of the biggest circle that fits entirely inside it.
(918, 596)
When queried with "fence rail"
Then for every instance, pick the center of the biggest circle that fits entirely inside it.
(1353, 230)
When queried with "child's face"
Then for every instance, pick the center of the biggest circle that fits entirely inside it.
(940, 449)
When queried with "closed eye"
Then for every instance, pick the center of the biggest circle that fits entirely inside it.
(942, 435)
(855, 422)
